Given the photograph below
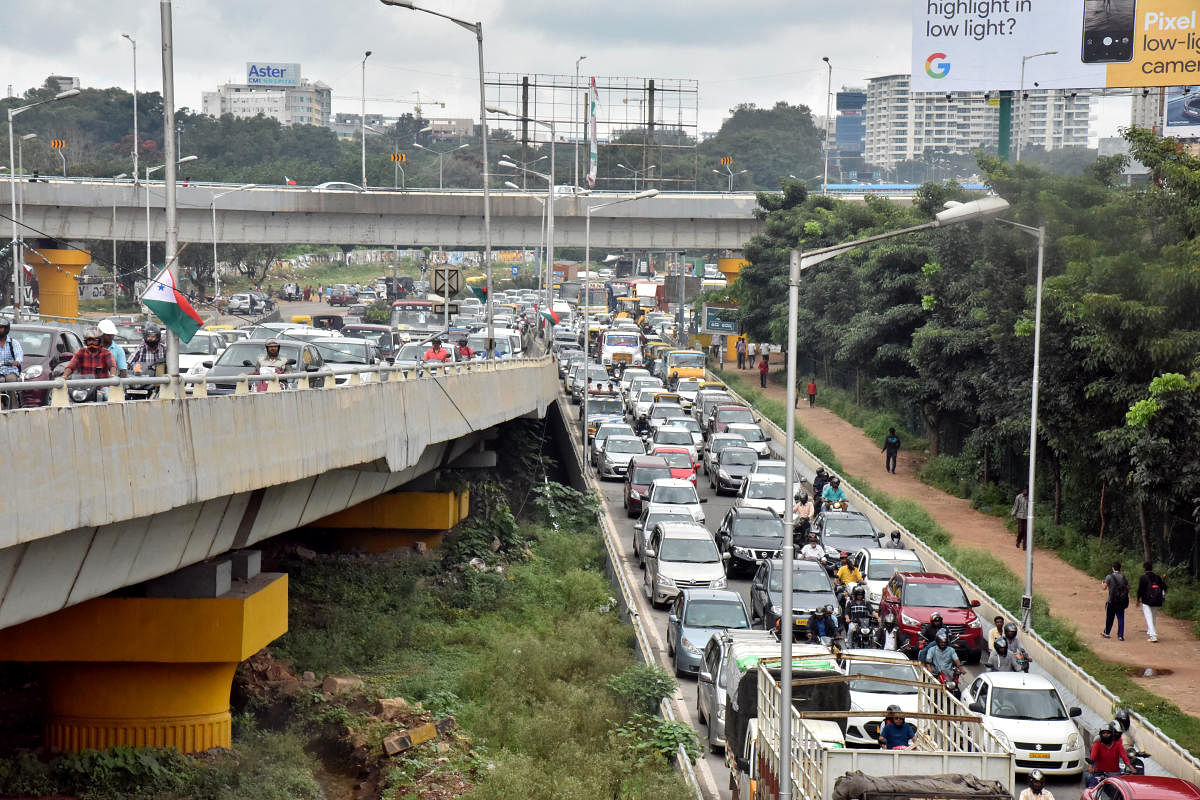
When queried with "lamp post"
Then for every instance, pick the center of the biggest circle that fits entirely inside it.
(954, 213)
(731, 174)
(362, 118)
(114, 237)
(1038, 233)
(17, 242)
(1021, 120)
(828, 111)
(150, 171)
(522, 165)
(136, 142)
(440, 155)
(477, 29)
(637, 172)
(579, 121)
(587, 300)
(21, 169)
(213, 206)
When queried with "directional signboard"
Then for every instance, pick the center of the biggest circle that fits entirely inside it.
(447, 281)
(719, 319)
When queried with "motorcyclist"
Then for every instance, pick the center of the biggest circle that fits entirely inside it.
(150, 353)
(847, 573)
(1108, 753)
(930, 631)
(802, 514)
(1037, 787)
(822, 478)
(1001, 660)
(11, 356)
(1010, 636)
(889, 636)
(941, 658)
(833, 493)
(93, 360)
(821, 624)
(893, 542)
(895, 732)
(812, 551)
(857, 608)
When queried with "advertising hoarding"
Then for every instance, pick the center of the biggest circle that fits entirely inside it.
(1181, 117)
(979, 45)
(267, 73)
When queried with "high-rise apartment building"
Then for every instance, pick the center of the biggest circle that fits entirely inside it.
(273, 90)
(1146, 108)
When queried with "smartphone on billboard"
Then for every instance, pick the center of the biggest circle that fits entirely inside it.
(1108, 31)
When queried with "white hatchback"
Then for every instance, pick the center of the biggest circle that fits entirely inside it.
(680, 493)
(1026, 714)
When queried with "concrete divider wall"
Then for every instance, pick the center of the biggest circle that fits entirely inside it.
(1162, 749)
(92, 465)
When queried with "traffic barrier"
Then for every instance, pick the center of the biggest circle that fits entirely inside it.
(1164, 750)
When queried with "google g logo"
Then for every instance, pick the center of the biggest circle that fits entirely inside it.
(936, 66)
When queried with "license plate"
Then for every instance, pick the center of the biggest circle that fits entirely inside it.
(1039, 755)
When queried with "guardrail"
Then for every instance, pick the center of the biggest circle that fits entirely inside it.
(1164, 750)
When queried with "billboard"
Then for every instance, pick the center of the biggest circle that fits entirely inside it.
(980, 45)
(266, 73)
(1181, 118)
(720, 319)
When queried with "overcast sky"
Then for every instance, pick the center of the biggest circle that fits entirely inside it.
(757, 51)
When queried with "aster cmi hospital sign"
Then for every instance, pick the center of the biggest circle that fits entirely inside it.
(262, 73)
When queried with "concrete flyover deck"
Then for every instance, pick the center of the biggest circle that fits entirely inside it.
(96, 209)
(102, 496)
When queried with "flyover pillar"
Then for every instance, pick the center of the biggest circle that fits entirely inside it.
(397, 519)
(731, 268)
(57, 274)
(152, 671)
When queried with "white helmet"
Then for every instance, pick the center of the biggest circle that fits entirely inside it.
(107, 326)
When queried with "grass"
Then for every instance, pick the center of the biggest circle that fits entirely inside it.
(873, 422)
(998, 581)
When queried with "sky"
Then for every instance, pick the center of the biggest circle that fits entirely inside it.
(750, 51)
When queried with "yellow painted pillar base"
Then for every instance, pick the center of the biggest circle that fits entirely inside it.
(57, 272)
(731, 268)
(402, 511)
(148, 672)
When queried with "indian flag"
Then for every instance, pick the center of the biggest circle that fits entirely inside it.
(170, 306)
(550, 317)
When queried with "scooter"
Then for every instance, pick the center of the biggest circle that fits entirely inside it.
(1136, 766)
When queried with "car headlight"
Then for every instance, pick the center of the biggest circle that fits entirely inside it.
(719, 583)
(905, 619)
(211, 387)
(663, 580)
(633, 495)
(974, 624)
(1073, 741)
(32, 373)
(79, 395)
(742, 552)
(723, 475)
(688, 647)
(1002, 737)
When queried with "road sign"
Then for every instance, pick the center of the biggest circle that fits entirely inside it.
(58, 144)
(440, 308)
(399, 158)
(516, 270)
(726, 161)
(447, 281)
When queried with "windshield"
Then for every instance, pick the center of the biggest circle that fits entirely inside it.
(766, 490)
(758, 526)
(622, 445)
(621, 340)
(738, 456)
(380, 338)
(34, 343)
(605, 406)
(411, 352)
(689, 551)
(686, 360)
(808, 580)
(687, 386)
(238, 352)
(647, 395)
(596, 373)
(675, 494)
(771, 469)
(751, 434)
(644, 476)
(479, 344)
(606, 431)
(715, 614)
(409, 318)
(899, 671)
(664, 411)
(1036, 704)
(684, 422)
(198, 346)
(935, 595)
(716, 445)
(677, 460)
(673, 436)
(345, 352)
(882, 570)
(848, 526)
(735, 415)
(663, 516)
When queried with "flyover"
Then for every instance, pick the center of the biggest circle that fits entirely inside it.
(97, 209)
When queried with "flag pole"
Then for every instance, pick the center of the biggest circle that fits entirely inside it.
(172, 225)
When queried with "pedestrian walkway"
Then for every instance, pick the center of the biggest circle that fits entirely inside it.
(1073, 594)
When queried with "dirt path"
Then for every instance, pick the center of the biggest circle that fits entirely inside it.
(1074, 594)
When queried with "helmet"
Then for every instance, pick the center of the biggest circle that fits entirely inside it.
(1115, 727)
(272, 342)
(804, 497)
(935, 617)
(1001, 646)
(1106, 729)
(92, 333)
(895, 536)
(1010, 630)
(942, 638)
(889, 621)
(151, 331)
(1036, 776)
(1122, 718)
(821, 471)
(859, 592)
(828, 609)
(835, 482)
(107, 326)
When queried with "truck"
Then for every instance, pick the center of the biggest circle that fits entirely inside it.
(951, 741)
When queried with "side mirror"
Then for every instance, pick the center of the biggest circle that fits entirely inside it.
(650, 552)
(703, 499)
(1075, 711)
(974, 604)
(291, 362)
(704, 676)
(673, 619)
(637, 526)
(976, 706)
(206, 364)
(725, 556)
(247, 363)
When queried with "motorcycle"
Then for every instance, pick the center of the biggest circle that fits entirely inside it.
(145, 391)
(840, 505)
(950, 682)
(862, 632)
(1136, 766)
(86, 394)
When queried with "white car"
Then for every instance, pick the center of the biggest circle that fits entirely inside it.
(204, 348)
(879, 564)
(686, 388)
(640, 408)
(674, 436)
(691, 425)
(768, 492)
(628, 376)
(868, 695)
(678, 492)
(756, 440)
(604, 431)
(681, 555)
(613, 461)
(1026, 714)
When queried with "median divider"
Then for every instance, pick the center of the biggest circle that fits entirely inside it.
(1169, 755)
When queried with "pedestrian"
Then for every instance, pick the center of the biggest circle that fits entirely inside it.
(740, 347)
(763, 369)
(11, 358)
(751, 352)
(1117, 587)
(891, 446)
(812, 392)
(1020, 513)
(1151, 594)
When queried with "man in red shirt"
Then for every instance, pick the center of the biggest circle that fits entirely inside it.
(1107, 754)
(763, 368)
(436, 352)
(93, 361)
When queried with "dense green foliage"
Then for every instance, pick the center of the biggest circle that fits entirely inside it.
(937, 329)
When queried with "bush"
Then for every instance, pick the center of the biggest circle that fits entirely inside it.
(643, 687)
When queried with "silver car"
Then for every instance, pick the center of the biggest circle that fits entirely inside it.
(614, 458)
(603, 432)
(680, 493)
(768, 492)
(710, 681)
(681, 555)
(756, 440)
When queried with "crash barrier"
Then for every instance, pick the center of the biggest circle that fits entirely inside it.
(628, 601)
(1164, 750)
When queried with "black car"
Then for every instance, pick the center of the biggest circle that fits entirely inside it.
(749, 536)
(811, 589)
(844, 532)
(733, 463)
(241, 358)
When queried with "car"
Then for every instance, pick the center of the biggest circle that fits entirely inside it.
(706, 401)
(749, 536)
(712, 450)
(686, 388)
(1026, 714)
(238, 304)
(602, 409)
(639, 409)
(642, 382)
(336, 186)
(204, 347)
(260, 302)
(811, 589)
(606, 430)
(593, 374)
(724, 415)
(660, 410)
(689, 423)
(652, 515)
(843, 532)
(382, 336)
(566, 362)
(694, 617)
(367, 296)
(616, 453)
(673, 436)
(1142, 787)
(680, 555)
(772, 466)
(878, 565)
(340, 295)
(733, 464)
(344, 355)
(756, 440)
(769, 492)
(46, 347)
(869, 695)
(679, 460)
(682, 493)
(629, 375)
(241, 358)
(711, 688)
(914, 596)
(642, 471)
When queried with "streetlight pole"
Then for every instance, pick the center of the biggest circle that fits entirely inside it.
(213, 206)
(114, 238)
(362, 118)
(578, 120)
(146, 184)
(1021, 119)
(17, 243)
(731, 175)
(440, 155)
(828, 111)
(954, 213)
(21, 169)
(637, 173)
(136, 142)
(587, 300)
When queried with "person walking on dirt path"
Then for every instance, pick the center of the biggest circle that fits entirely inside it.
(812, 392)
(891, 446)
(1020, 513)
(763, 369)
(1117, 586)
(740, 347)
(1151, 594)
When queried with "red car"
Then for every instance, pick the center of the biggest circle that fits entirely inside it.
(914, 596)
(1142, 787)
(679, 460)
(643, 471)
(725, 414)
